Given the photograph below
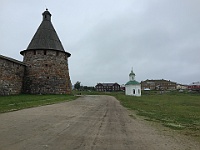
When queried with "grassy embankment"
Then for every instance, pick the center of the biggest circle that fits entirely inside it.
(17, 102)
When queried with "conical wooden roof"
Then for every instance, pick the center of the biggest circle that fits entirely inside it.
(46, 36)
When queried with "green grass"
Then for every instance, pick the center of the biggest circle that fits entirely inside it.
(17, 102)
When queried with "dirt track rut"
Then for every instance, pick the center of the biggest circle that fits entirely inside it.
(88, 123)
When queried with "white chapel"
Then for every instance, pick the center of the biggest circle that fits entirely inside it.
(132, 87)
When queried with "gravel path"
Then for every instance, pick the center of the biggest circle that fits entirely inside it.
(88, 123)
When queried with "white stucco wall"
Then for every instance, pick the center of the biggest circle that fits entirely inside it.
(129, 90)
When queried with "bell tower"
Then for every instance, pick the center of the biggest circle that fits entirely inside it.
(132, 76)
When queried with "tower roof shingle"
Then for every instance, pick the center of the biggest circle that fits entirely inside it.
(46, 36)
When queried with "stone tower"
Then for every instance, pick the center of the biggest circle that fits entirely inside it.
(47, 62)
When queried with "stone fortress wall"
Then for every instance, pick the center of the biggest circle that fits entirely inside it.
(11, 76)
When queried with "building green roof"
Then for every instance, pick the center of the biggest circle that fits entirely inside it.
(132, 83)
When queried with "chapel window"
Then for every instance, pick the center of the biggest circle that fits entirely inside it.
(133, 91)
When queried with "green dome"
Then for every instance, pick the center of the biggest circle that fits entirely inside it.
(132, 83)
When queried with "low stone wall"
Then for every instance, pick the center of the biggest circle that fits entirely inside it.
(11, 76)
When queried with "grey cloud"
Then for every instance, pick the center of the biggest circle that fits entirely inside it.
(159, 39)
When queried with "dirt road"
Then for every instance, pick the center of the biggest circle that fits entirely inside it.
(88, 123)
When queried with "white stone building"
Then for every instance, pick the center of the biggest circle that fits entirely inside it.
(132, 87)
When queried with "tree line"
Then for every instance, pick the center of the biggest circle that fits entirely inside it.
(78, 86)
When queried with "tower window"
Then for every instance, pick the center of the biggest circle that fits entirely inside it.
(45, 52)
(34, 52)
(46, 65)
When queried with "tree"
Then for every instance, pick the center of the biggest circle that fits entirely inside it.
(77, 85)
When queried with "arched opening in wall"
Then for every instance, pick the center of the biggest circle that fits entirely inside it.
(133, 91)
(45, 52)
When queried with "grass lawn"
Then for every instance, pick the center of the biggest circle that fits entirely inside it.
(17, 102)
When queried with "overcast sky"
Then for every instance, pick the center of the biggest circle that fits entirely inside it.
(160, 39)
